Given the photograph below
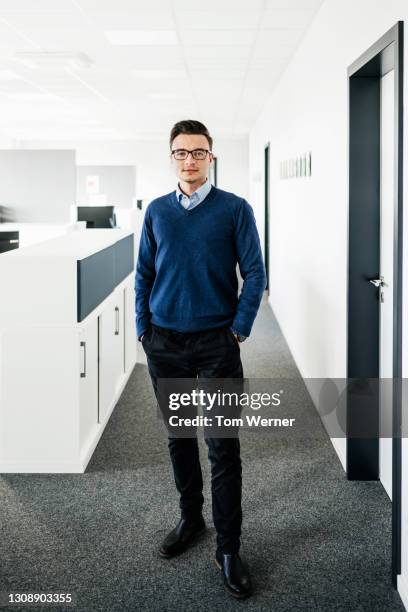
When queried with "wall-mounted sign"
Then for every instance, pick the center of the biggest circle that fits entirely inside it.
(296, 167)
(92, 184)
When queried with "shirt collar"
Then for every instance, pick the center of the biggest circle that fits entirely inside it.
(199, 195)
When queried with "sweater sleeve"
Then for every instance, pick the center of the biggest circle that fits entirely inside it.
(251, 267)
(145, 275)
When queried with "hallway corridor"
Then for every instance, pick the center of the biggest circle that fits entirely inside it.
(313, 540)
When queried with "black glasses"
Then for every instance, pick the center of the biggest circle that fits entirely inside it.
(181, 154)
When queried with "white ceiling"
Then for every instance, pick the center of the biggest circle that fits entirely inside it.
(217, 62)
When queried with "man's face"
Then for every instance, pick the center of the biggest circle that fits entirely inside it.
(191, 170)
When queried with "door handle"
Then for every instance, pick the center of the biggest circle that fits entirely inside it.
(117, 321)
(378, 282)
(83, 374)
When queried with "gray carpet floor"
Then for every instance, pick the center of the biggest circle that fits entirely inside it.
(313, 540)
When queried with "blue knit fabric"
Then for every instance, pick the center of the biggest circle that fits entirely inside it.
(186, 271)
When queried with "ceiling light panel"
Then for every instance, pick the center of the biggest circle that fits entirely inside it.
(137, 20)
(142, 37)
(224, 20)
(217, 37)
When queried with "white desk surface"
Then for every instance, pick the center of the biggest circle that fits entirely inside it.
(77, 244)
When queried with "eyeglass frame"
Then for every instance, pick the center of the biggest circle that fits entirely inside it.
(191, 152)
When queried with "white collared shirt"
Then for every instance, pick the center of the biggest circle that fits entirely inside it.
(196, 198)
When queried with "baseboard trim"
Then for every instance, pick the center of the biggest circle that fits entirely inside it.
(402, 585)
(336, 442)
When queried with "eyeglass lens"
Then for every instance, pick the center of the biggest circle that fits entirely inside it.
(181, 154)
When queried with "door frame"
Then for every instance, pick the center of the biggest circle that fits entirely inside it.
(363, 318)
(267, 160)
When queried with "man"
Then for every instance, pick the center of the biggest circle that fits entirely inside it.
(190, 322)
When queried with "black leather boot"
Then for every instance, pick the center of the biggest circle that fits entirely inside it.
(182, 536)
(237, 580)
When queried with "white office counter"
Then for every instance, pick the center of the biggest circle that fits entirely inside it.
(34, 233)
(66, 348)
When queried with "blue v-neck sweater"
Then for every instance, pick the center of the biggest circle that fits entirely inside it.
(186, 271)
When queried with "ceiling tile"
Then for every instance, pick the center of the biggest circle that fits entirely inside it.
(137, 20)
(229, 65)
(215, 5)
(38, 6)
(272, 52)
(225, 63)
(158, 74)
(9, 38)
(127, 58)
(217, 37)
(293, 4)
(46, 21)
(53, 39)
(224, 20)
(9, 75)
(141, 37)
(122, 6)
(17, 86)
(279, 37)
(286, 19)
(213, 85)
(217, 53)
(218, 72)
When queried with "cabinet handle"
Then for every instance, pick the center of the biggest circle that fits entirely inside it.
(117, 321)
(83, 374)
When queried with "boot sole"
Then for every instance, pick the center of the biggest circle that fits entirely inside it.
(190, 542)
(229, 591)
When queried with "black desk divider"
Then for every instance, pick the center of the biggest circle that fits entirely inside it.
(100, 273)
(124, 259)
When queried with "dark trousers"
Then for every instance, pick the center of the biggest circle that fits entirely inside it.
(207, 354)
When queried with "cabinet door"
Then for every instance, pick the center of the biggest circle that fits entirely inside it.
(88, 376)
(129, 325)
(111, 353)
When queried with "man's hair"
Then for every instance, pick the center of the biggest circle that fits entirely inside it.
(190, 126)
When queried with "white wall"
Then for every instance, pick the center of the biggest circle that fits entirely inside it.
(154, 175)
(38, 186)
(117, 184)
(308, 216)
